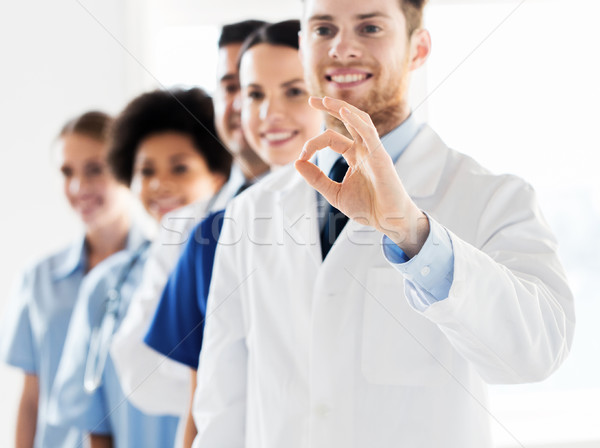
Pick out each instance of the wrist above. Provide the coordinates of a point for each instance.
(409, 233)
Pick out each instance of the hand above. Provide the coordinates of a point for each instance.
(371, 192)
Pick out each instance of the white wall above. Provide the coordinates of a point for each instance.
(62, 57)
(57, 61)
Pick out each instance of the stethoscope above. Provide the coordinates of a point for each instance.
(102, 335)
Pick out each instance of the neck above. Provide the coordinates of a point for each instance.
(104, 241)
(251, 164)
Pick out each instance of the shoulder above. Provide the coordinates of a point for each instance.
(57, 264)
(463, 171)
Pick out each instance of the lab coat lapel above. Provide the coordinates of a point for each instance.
(300, 223)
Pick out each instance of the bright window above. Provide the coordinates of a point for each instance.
(523, 99)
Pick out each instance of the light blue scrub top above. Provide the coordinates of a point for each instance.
(105, 411)
(35, 327)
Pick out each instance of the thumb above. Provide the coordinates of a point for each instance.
(318, 180)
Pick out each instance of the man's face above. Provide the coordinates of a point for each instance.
(226, 99)
(357, 52)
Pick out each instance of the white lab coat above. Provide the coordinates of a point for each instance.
(300, 353)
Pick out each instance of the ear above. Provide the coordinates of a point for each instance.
(420, 47)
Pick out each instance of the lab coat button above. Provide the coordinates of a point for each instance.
(322, 410)
(425, 271)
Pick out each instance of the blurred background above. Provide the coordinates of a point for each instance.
(512, 83)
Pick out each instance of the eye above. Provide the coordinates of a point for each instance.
(66, 171)
(147, 171)
(232, 89)
(180, 169)
(295, 92)
(324, 30)
(370, 29)
(94, 169)
(255, 95)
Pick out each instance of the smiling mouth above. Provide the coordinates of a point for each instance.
(348, 78)
(279, 137)
(166, 204)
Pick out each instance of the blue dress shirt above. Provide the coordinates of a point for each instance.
(428, 274)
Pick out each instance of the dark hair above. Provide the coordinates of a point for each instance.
(281, 33)
(93, 124)
(188, 112)
(236, 33)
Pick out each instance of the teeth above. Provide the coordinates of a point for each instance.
(165, 203)
(277, 136)
(341, 79)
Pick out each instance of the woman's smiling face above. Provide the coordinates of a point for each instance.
(276, 117)
(169, 173)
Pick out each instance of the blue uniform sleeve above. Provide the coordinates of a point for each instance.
(17, 347)
(428, 274)
(177, 328)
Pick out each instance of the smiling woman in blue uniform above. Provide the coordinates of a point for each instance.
(34, 331)
(162, 145)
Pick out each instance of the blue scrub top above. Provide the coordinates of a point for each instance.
(105, 411)
(178, 324)
(34, 330)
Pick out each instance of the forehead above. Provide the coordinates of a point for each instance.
(265, 64)
(77, 148)
(350, 9)
(227, 61)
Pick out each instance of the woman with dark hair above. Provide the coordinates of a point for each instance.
(36, 325)
(163, 146)
(175, 130)
(276, 120)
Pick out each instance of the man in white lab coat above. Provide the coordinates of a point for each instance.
(445, 278)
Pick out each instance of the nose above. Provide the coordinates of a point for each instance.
(237, 103)
(345, 47)
(160, 184)
(271, 109)
(74, 185)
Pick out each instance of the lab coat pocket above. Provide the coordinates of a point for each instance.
(399, 345)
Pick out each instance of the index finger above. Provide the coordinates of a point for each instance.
(336, 105)
(331, 139)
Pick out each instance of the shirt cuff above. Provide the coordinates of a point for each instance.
(428, 274)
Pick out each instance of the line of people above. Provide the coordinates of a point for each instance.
(360, 308)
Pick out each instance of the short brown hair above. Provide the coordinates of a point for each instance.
(413, 11)
(93, 124)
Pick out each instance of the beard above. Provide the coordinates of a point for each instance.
(385, 102)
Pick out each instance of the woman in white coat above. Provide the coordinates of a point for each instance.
(277, 120)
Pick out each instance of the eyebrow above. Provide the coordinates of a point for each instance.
(228, 77)
(291, 82)
(179, 156)
(329, 18)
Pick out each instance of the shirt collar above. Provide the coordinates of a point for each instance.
(75, 257)
(394, 142)
(73, 260)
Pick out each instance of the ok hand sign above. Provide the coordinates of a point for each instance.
(371, 192)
